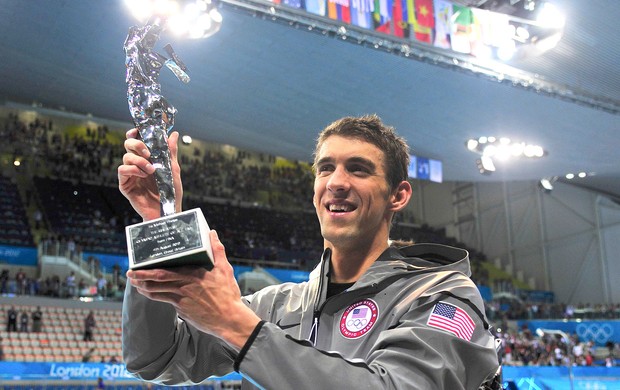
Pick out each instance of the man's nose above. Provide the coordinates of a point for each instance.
(338, 180)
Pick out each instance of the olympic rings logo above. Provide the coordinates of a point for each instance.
(357, 323)
(595, 332)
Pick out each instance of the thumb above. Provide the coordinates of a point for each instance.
(219, 252)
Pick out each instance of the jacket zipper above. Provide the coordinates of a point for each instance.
(326, 258)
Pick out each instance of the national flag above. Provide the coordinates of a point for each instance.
(462, 20)
(339, 10)
(419, 14)
(401, 27)
(453, 319)
(384, 28)
(360, 312)
(424, 13)
(361, 13)
(316, 7)
(292, 3)
(443, 23)
(382, 15)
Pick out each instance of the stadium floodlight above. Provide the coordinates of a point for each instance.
(546, 185)
(492, 148)
(485, 165)
(186, 18)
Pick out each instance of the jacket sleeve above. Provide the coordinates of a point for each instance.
(408, 355)
(160, 347)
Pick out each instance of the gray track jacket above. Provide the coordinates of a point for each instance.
(414, 320)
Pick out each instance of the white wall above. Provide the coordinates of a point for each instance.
(567, 241)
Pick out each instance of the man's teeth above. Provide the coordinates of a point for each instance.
(340, 207)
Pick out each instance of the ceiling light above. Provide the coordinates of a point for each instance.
(472, 144)
(186, 18)
(186, 139)
(489, 150)
(517, 149)
(546, 185)
(582, 174)
(485, 165)
(522, 33)
(550, 16)
(500, 148)
(570, 176)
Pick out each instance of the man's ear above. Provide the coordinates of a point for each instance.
(400, 196)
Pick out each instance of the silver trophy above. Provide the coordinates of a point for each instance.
(174, 239)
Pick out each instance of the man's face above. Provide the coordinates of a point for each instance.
(351, 193)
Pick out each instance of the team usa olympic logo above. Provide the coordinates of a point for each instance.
(359, 318)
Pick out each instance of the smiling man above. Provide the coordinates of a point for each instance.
(372, 315)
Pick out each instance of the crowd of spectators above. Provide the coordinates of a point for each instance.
(54, 286)
(15, 226)
(519, 309)
(524, 348)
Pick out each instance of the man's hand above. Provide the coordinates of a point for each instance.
(135, 177)
(208, 300)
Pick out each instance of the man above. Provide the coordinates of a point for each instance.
(11, 320)
(70, 283)
(89, 326)
(372, 316)
(37, 320)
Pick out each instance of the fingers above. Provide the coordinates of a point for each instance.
(166, 275)
(133, 163)
(132, 133)
(136, 157)
(137, 147)
(160, 297)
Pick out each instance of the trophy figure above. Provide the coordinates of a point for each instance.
(174, 239)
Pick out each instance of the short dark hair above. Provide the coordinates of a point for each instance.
(370, 128)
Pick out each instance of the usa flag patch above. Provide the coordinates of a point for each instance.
(452, 319)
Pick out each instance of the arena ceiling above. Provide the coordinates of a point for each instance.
(267, 86)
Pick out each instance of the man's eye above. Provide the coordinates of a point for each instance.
(359, 169)
(324, 168)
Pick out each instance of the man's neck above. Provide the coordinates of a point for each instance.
(348, 265)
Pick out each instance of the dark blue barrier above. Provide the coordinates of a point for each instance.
(28, 372)
(486, 293)
(284, 275)
(598, 331)
(559, 378)
(287, 275)
(515, 378)
(108, 261)
(18, 255)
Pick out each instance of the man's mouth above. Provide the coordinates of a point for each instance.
(340, 208)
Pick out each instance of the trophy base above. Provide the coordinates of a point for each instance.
(172, 241)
